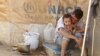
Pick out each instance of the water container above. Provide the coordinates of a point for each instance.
(49, 33)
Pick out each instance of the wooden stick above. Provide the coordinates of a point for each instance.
(86, 27)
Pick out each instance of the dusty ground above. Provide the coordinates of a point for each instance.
(7, 51)
(97, 38)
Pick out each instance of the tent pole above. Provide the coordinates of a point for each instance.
(57, 9)
(86, 27)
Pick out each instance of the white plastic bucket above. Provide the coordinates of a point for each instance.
(32, 39)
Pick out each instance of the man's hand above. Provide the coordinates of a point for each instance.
(66, 34)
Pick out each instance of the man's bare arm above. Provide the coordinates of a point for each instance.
(66, 34)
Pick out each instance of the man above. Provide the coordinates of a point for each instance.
(75, 16)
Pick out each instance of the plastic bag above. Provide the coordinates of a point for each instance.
(49, 33)
(32, 39)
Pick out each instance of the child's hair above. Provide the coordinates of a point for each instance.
(66, 16)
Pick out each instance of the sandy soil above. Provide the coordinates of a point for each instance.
(7, 51)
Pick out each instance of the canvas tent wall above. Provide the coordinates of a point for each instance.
(17, 15)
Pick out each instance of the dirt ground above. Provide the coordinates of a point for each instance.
(97, 38)
(7, 51)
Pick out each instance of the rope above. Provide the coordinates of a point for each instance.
(93, 36)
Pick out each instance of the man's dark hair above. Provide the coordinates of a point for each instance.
(66, 16)
(78, 13)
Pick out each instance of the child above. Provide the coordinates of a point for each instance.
(61, 40)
